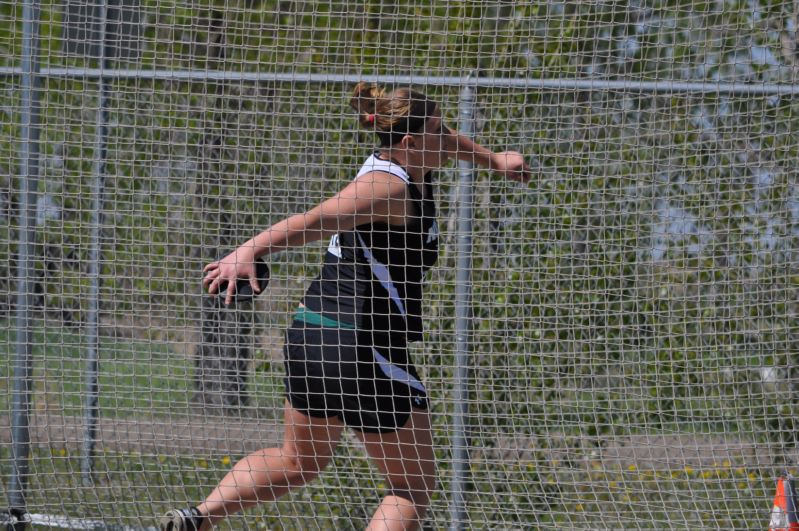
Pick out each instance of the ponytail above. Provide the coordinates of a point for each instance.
(391, 116)
(365, 98)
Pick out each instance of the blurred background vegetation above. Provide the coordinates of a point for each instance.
(643, 285)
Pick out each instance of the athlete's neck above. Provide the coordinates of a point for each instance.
(415, 171)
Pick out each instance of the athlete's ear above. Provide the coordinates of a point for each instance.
(408, 142)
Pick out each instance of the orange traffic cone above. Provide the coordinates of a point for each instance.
(784, 515)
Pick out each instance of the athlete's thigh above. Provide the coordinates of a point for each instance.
(312, 440)
(405, 456)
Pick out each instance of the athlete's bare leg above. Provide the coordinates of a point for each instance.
(407, 460)
(267, 474)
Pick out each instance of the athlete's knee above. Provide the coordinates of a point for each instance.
(416, 490)
(420, 499)
(304, 468)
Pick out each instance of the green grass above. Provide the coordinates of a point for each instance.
(133, 490)
(134, 375)
(142, 378)
(722, 496)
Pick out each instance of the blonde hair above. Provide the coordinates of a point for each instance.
(391, 115)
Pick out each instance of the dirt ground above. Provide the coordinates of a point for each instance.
(203, 434)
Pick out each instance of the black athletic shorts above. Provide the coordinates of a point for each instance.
(364, 378)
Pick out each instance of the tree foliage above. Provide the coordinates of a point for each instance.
(644, 281)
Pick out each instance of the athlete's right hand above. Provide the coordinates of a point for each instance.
(238, 264)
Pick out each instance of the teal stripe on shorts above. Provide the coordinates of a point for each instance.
(307, 316)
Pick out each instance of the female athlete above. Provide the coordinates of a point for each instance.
(346, 352)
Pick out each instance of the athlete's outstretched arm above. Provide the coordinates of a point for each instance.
(507, 163)
(373, 197)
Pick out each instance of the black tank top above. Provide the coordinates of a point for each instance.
(372, 276)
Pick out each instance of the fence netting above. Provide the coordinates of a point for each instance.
(633, 324)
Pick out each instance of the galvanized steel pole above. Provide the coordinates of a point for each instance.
(542, 84)
(463, 318)
(92, 397)
(29, 183)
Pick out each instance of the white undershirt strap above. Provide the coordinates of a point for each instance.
(374, 163)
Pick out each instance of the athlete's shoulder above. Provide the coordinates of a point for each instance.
(375, 163)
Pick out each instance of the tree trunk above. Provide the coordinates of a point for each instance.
(223, 358)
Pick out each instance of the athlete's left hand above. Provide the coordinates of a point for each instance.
(511, 165)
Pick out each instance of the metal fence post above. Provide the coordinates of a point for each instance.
(463, 315)
(92, 398)
(29, 183)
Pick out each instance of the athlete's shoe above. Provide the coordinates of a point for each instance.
(182, 520)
